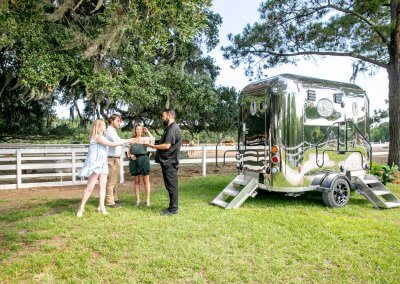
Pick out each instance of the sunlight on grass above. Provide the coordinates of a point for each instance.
(271, 238)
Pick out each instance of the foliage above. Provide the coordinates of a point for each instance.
(42, 240)
(130, 57)
(385, 173)
(366, 31)
(380, 133)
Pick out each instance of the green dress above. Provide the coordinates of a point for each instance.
(140, 166)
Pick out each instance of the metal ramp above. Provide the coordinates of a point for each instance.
(236, 192)
(375, 192)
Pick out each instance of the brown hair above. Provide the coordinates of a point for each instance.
(170, 112)
(134, 129)
(113, 117)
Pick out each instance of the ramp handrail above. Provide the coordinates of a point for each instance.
(338, 124)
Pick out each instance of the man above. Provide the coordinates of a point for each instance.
(114, 154)
(167, 155)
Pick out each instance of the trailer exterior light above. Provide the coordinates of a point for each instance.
(274, 149)
(275, 170)
(275, 159)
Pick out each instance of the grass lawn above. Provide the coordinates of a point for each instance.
(270, 239)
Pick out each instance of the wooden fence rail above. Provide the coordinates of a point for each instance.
(58, 165)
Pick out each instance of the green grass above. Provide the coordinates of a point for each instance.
(270, 239)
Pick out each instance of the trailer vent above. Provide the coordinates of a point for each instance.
(311, 95)
(338, 98)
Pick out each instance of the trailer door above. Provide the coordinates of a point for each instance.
(253, 137)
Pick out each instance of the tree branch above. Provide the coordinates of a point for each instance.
(321, 53)
(346, 11)
(358, 15)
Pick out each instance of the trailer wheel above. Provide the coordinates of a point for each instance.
(339, 195)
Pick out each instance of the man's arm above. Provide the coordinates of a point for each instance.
(164, 146)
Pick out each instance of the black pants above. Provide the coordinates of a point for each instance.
(170, 175)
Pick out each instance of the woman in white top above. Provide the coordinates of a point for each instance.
(95, 167)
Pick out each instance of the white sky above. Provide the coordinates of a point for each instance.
(237, 13)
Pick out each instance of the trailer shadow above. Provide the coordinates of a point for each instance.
(278, 199)
(310, 199)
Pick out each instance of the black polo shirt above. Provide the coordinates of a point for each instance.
(172, 135)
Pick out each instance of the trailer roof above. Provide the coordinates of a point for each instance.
(304, 80)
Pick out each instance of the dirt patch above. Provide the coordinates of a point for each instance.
(19, 198)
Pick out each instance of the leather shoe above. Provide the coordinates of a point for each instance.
(167, 212)
(116, 205)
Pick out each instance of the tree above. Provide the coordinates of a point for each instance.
(367, 31)
(108, 53)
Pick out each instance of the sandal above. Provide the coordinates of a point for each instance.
(148, 204)
(79, 213)
(137, 203)
(102, 210)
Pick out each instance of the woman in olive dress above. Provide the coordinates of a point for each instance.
(139, 164)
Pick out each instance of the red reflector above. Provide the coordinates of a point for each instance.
(275, 159)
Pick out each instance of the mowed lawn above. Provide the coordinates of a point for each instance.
(270, 239)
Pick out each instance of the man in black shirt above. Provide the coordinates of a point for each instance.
(167, 155)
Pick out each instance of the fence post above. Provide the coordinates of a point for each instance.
(203, 161)
(121, 168)
(73, 167)
(19, 170)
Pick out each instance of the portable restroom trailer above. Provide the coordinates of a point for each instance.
(298, 134)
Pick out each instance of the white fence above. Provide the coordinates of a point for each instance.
(58, 165)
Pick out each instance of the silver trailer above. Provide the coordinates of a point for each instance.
(299, 134)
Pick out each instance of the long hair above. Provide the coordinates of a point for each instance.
(134, 130)
(95, 132)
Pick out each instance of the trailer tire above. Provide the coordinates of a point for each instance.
(338, 195)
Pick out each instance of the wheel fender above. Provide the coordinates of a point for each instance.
(318, 179)
(326, 184)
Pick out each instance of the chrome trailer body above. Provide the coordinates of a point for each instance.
(295, 131)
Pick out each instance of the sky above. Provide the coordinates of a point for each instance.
(237, 13)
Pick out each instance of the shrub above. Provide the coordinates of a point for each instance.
(385, 173)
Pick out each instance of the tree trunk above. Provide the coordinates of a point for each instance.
(394, 87)
(394, 117)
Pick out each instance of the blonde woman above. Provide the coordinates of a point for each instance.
(139, 164)
(95, 167)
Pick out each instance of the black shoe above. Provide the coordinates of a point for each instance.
(118, 202)
(167, 212)
(116, 205)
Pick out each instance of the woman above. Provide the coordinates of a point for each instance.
(95, 167)
(139, 164)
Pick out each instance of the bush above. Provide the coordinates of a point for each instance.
(385, 173)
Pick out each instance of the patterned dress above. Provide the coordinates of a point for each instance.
(96, 160)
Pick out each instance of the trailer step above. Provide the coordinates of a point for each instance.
(236, 192)
(375, 192)
(392, 204)
(219, 203)
(230, 192)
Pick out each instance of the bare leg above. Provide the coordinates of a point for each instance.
(102, 193)
(137, 189)
(146, 182)
(87, 192)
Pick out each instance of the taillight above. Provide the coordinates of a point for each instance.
(275, 159)
(274, 149)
